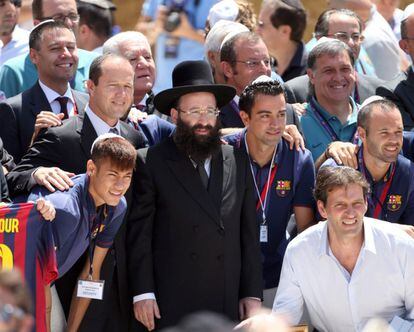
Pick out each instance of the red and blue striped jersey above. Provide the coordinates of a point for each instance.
(26, 243)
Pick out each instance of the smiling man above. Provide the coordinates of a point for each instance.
(390, 174)
(59, 152)
(350, 268)
(91, 212)
(54, 53)
(197, 193)
(331, 112)
(284, 178)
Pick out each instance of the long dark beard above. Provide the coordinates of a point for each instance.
(198, 147)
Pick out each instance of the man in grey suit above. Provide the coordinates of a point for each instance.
(53, 51)
(344, 25)
(192, 237)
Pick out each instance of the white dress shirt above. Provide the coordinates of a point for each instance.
(100, 126)
(51, 96)
(381, 284)
(19, 44)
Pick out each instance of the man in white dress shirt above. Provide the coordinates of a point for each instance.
(15, 40)
(348, 269)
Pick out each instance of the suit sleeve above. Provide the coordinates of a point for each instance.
(139, 230)
(251, 283)
(407, 115)
(9, 131)
(45, 151)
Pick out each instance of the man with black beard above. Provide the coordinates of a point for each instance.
(192, 237)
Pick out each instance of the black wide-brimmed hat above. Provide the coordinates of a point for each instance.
(192, 76)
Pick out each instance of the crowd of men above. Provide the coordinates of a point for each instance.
(236, 169)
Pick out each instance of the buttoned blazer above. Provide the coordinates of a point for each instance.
(195, 249)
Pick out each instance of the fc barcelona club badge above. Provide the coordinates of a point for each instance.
(282, 188)
(394, 202)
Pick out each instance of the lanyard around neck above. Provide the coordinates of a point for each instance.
(270, 177)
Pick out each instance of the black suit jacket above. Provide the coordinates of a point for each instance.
(230, 117)
(195, 249)
(68, 147)
(18, 116)
(298, 88)
(402, 95)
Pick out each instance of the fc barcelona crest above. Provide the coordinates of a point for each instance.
(282, 188)
(394, 202)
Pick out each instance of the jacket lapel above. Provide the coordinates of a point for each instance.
(86, 132)
(38, 102)
(187, 176)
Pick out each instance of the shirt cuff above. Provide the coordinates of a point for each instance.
(145, 296)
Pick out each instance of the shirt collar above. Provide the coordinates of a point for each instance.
(20, 34)
(51, 95)
(352, 118)
(279, 148)
(368, 245)
(100, 126)
(299, 58)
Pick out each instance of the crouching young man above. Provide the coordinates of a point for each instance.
(89, 215)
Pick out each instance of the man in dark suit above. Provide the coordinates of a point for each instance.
(54, 53)
(345, 25)
(192, 239)
(403, 94)
(61, 151)
(143, 116)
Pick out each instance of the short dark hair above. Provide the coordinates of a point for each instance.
(37, 9)
(227, 52)
(117, 150)
(99, 20)
(37, 32)
(252, 91)
(95, 69)
(322, 25)
(332, 177)
(364, 113)
(404, 29)
(291, 13)
(332, 48)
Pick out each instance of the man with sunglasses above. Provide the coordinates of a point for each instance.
(192, 238)
(19, 73)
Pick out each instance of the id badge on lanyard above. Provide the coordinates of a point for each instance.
(89, 288)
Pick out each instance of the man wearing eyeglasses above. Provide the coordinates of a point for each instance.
(192, 238)
(346, 26)
(244, 57)
(20, 74)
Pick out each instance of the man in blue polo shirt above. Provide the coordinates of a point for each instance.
(90, 213)
(284, 178)
(331, 113)
(390, 175)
